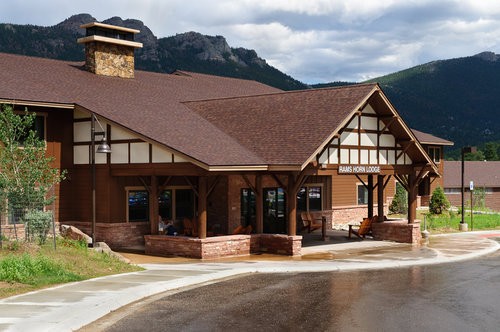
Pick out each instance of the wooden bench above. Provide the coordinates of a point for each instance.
(309, 223)
(363, 229)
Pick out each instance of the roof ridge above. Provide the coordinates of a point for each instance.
(288, 92)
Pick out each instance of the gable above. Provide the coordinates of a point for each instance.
(365, 140)
(127, 147)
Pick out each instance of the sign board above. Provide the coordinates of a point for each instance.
(359, 169)
(471, 185)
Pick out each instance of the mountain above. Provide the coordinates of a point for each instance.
(189, 51)
(457, 99)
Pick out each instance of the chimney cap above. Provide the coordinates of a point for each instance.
(108, 26)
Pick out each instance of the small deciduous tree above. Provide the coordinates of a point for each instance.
(439, 203)
(27, 175)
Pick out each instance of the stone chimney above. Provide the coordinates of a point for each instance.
(109, 49)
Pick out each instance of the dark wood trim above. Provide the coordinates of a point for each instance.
(166, 169)
(195, 190)
(153, 205)
(202, 207)
(249, 184)
(212, 186)
(360, 180)
(279, 182)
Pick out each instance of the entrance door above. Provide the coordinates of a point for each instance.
(184, 204)
(274, 211)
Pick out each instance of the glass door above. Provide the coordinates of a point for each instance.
(274, 211)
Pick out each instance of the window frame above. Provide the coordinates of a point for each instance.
(365, 195)
(433, 154)
(127, 191)
(307, 186)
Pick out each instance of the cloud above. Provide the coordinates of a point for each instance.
(314, 40)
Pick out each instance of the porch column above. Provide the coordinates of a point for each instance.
(370, 196)
(412, 197)
(380, 197)
(291, 199)
(202, 207)
(259, 205)
(154, 210)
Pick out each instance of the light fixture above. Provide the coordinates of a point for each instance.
(102, 148)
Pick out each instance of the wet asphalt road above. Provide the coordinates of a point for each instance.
(461, 296)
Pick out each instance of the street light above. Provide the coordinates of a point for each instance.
(465, 149)
(103, 147)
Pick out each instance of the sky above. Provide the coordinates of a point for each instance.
(314, 41)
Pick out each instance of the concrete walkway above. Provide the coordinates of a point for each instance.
(71, 306)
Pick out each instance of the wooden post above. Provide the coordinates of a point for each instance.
(202, 207)
(291, 200)
(380, 197)
(412, 197)
(259, 205)
(154, 210)
(370, 195)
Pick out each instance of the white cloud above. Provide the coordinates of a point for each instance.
(313, 40)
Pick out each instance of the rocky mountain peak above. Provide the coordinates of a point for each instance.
(74, 22)
(488, 56)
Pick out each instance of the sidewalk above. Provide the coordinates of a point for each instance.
(71, 306)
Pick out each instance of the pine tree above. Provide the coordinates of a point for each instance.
(439, 203)
(399, 203)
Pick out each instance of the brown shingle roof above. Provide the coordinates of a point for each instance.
(149, 104)
(215, 120)
(284, 128)
(483, 173)
(425, 138)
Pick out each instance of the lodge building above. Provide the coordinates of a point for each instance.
(219, 152)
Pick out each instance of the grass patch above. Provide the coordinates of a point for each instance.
(25, 267)
(450, 222)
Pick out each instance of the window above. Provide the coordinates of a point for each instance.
(38, 127)
(435, 154)
(138, 205)
(247, 207)
(452, 190)
(165, 204)
(309, 198)
(362, 194)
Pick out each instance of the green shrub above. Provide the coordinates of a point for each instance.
(399, 203)
(439, 203)
(38, 225)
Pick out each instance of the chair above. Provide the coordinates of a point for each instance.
(188, 226)
(308, 222)
(242, 230)
(365, 228)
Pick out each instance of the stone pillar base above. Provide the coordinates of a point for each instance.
(463, 227)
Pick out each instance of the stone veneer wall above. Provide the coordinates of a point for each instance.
(116, 235)
(399, 231)
(222, 246)
(12, 233)
(344, 215)
(109, 59)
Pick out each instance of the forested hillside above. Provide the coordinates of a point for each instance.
(189, 51)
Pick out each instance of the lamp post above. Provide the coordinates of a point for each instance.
(465, 149)
(102, 148)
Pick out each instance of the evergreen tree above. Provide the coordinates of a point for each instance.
(399, 203)
(490, 151)
(439, 203)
